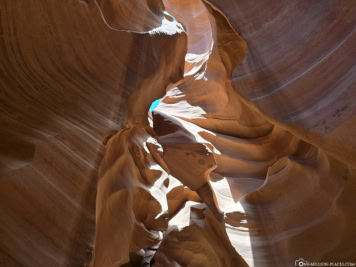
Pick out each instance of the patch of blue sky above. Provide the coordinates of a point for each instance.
(155, 104)
(171, 16)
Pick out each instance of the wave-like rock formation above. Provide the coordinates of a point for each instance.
(248, 160)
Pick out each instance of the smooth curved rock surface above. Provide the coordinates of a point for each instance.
(261, 187)
(66, 78)
(249, 159)
(300, 69)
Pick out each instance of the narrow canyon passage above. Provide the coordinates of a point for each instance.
(213, 181)
(249, 158)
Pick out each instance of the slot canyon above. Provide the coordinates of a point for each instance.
(246, 158)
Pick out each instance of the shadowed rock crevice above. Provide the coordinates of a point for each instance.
(237, 187)
(248, 159)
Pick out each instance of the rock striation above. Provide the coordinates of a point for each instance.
(232, 186)
(248, 160)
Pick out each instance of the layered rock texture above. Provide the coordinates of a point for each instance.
(248, 160)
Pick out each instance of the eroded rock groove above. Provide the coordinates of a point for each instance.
(215, 181)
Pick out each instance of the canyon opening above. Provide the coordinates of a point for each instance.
(178, 133)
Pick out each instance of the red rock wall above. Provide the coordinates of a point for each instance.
(65, 80)
(300, 69)
(252, 153)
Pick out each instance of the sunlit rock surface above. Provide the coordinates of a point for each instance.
(248, 160)
(300, 68)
